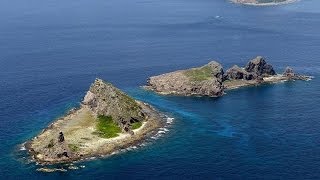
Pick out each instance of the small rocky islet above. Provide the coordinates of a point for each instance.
(107, 120)
(263, 2)
(211, 80)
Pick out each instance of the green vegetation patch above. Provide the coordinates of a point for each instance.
(199, 74)
(136, 125)
(106, 128)
(73, 147)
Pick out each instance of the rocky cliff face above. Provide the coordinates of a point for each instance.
(105, 99)
(237, 72)
(259, 67)
(206, 80)
(255, 69)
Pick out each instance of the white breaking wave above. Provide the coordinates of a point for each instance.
(161, 131)
(22, 148)
(169, 120)
(164, 129)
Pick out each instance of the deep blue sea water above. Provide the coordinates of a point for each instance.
(51, 51)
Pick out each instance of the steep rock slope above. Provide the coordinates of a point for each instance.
(105, 99)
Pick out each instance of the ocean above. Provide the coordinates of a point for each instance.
(51, 51)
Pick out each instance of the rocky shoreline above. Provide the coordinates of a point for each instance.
(263, 3)
(211, 80)
(74, 136)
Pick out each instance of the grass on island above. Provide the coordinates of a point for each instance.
(199, 74)
(106, 128)
(136, 125)
(73, 147)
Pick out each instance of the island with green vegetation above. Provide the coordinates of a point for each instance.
(107, 120)
(211, 80)
(263, 2)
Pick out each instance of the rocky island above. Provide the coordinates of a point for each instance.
(107, 120)
(263, 2)
(211, 80)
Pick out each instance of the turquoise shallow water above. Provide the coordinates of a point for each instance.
(51, 51)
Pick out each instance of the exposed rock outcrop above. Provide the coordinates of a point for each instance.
(210, 80)
(206, 80)
(61, 137)
(237, 72)
(259, 67)
(288, 72)
(256, 69)
(291, 75)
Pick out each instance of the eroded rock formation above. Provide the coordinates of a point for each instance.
(291, 75)
(237, 72)
(288, 72)
(259, 67)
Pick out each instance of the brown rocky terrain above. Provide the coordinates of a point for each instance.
(210, 79)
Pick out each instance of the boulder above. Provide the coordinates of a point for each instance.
(64, 154)
(260, 67)
(61, 137)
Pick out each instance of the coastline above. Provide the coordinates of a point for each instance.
(265, 4)
(96, 147)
